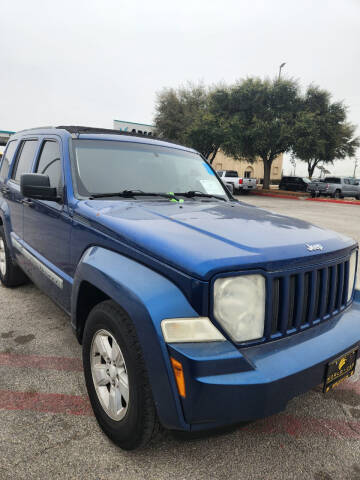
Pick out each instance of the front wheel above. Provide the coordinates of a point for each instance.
(116, 377)
(10, 273)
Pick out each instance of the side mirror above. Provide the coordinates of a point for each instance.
(37, 186)
(230, 187)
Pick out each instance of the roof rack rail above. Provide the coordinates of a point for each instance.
(77, 130)
(34, 128)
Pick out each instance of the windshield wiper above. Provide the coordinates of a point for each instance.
(131, 194)
(196, 193)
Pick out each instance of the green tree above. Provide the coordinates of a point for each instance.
(259, 118)
(322, 133)
(185, 116)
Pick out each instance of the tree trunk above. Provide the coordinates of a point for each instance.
(267, 171)
(311, 168)
(212, 155)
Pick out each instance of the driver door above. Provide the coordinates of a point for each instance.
(47, 224)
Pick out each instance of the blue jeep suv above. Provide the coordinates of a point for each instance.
(194, 310)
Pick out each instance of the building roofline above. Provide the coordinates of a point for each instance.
(134, 123)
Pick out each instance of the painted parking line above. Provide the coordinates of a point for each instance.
(275, 425)
(45, 402)
(304, 426)
(80, 405)
(75, 365)
(42, 362)
(353, 386)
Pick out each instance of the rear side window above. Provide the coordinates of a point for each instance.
(8, 156)
(24, 159)
(332, 180)
(50, 163)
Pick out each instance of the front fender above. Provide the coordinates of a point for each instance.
(5, 219)
(148, 298)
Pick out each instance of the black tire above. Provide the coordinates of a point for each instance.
(337, 194)
(140, 423)
(13, 276)
(357, 197)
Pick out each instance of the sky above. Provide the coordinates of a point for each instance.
(89, 62)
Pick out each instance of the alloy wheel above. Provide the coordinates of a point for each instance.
(109, 374)
(2, 258)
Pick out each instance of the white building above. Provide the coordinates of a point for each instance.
(134, 127)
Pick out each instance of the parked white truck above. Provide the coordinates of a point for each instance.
(239, 184)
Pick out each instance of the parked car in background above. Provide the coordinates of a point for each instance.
(340, 187)
(317, 187)
(294, 184)
(240, 184)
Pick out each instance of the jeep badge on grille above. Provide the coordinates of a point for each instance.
(314, 247)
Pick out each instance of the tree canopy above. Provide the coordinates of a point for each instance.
(184, 116)
(258, 118)
(321, 132)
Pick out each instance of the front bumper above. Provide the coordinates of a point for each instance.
(226, 385)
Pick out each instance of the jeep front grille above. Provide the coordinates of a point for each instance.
(298, 301)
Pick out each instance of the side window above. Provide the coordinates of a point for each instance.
(346, 181)
(24, 159)
(50, 163)
(332, 180)
(8, 156)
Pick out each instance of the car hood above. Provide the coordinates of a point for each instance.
(202, 237)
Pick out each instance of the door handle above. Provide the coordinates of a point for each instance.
(27, 203)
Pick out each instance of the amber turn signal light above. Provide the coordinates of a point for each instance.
(179, 376)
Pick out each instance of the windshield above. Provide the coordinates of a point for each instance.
(103, 166)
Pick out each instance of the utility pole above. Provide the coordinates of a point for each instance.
(280, 68)
(356, 164)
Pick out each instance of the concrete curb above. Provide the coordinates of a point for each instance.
(333, 200)
(295, 197)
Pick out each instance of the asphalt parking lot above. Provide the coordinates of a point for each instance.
(48, 430)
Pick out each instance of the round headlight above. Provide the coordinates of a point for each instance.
(352, 271)
(239, 306)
